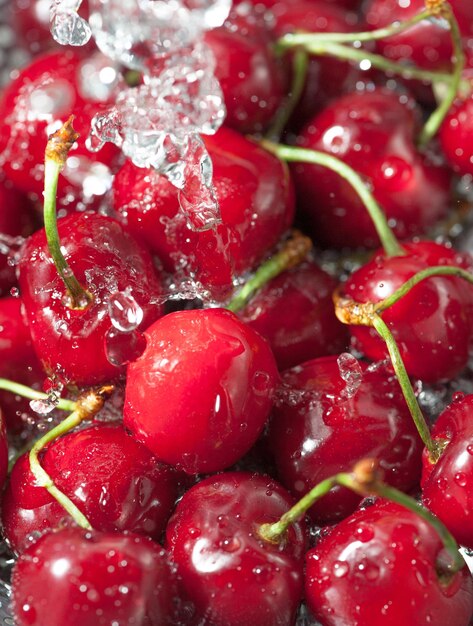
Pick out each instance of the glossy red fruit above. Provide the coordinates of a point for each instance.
(256, 200)
(447, 485)
(252, 79)
(79, 578)
(107, 261)
(200, 394)
(18, 360)
(114, 481)
(431, 324)
(334, 413)
(379, 568)
(308, 328)
(374, 133)
(232, 576)
(35, 104)
(456, 135)
(428, 43)
(3, 451)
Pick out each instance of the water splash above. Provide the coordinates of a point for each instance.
(46, 406)
(67, 27)
(351, 373)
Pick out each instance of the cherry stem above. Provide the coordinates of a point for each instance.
(86, 407)
(293, 252)
(32, 394)
(292, 40)
(300, 64)
(57, 149)
(435, 120)
(365, 480)
(389, 242)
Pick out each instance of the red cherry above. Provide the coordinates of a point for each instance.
(373, 132)
(256, 200)
(79, 578)
(3, 451)
(114, 481)
(431, 324)
(252, 79)
(379, 568)
(447, 485)
(231, 575)
(308, 328)
(456, 135)
(105, 259)
(200, 394)
(36, 103)
(332, 416)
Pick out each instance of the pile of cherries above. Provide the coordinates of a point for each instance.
(210, 381)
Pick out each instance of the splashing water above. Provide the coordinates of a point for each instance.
(351, 373)
(46, 406)
(67, 27)
(125, 312)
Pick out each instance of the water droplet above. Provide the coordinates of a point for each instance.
(457, 396)
(67, 27)
(351, 373)
(230, 544)
(340, 569)
(125, 312)
(364, 533)
(122, 348)
(261, 382)
(461, 479)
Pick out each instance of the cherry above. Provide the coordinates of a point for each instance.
(373, 132)
(3, 451)
(308, 328)
(229, 572)
(381, 567)
(71, 343)
(45, 93)
(428, 43)
(201, 392)
(333, 414)
(253, 81)
(447, 484)
(256, 200)
(456, 135)
(115, 481)
(431, 324)
(78, 578)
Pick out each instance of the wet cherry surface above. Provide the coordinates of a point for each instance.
(231, 575)
(200, 394)
(75, 578)
(115, 482)
(333, 414)
(379, 568)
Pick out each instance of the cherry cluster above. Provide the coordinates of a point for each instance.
(244, 443)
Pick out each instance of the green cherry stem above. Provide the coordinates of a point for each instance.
(389, 242)
(32, 394)
(364, 480)
(293, 252)
(435, 120)
(292, 40)
(300, 63)
(57, 149)
(86, 408)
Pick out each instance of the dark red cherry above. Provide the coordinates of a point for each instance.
(256, 200)
(456, 135)
(114, 481)
(447, 485)
(294, 312)
(200, 394)
(232, 576)
(431, 324)
(107, 262)
(18, 360)
(3, 451)
(78, 578)
(253, 80)
(38, 102)
(428, 43)
(379, 568)
(374, 133)
(333, 414)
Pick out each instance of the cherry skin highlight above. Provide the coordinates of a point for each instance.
(201, 392)
(431, 324)
(114, 481)
(447, 485)
(379, 568)
(231, 575)
(78, 578)
(325, 423)
(105, 259)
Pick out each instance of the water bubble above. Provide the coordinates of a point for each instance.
(125, 312)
